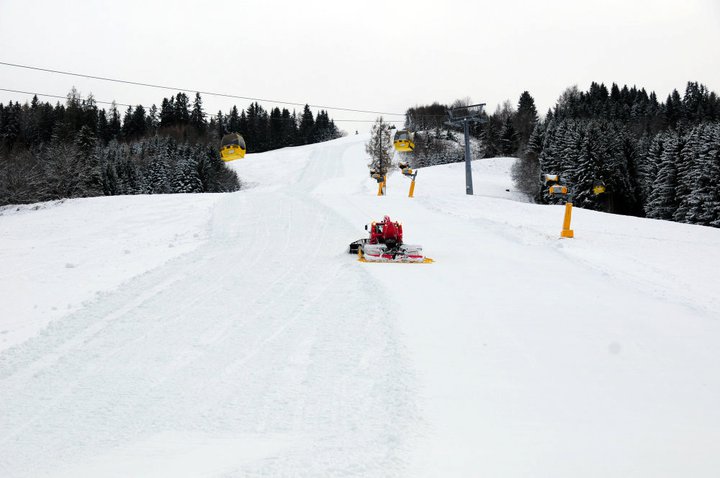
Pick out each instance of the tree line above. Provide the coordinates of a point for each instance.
(654, 159)
(657, 159)
(77, 149)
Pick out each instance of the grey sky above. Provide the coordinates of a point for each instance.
(370, 55)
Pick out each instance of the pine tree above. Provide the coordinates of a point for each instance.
(257, 128)
(103, 127)
(509, 141)
(127, 124)
(158, 178)
(662, 201)
(548, 153)
(213, 174)
(152, 121)
(2, 120)
(73, 117)
(243, 127)
(109, 180)
(182, 109)
(699, 195)
(288, 128)
(587, 167)
(197, 116)
(704, 201)
(380, 147)
(307, 126)
(136, 125)
(648, 167)
(90, 113)
(46, 120)
(525, 119)
(674, 110)
(295, 125)
(167, 113)
(616, 155)
(695, 102)
(187, 177)
(233, 122)
(220, 124)
(114, 125)
(29, 122)
(11, 124)
(687, 171)
(561, 148)
(276, 128)
(89, 167)
(631, 152)
(526, 170)
(129, 181)
(491, 137)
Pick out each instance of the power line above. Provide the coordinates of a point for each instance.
(209, 93)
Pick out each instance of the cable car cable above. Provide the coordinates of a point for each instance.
(209, 93)
(210, 115)
(62, 97)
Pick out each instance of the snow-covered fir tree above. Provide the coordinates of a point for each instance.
(380, 147)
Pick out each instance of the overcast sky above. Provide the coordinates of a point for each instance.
(369, 55)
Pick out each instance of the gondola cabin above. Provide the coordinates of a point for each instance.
(404, 141)
(232, 146)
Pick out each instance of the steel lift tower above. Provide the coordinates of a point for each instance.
(464, 115)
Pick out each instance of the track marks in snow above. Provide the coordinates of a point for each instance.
(265, 329)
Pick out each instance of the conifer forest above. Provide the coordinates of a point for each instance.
(77, 149)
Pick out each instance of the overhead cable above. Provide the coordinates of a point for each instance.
(208, 93)
(209, 115)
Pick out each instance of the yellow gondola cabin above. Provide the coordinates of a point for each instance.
(232, 146)
(404, 141)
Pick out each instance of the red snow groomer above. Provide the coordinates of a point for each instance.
(385, 244)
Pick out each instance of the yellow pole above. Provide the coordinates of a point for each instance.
(380, 188)
(566, 231)
(412, 188)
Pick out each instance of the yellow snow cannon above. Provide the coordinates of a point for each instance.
(558, 189)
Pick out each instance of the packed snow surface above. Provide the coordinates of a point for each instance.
(231, 334)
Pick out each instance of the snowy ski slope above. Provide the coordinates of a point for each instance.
(231, 335)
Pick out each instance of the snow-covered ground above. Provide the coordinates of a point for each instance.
(231, 335)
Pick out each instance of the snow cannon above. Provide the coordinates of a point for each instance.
(407, 171)
(558, 189)
(385, 244)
